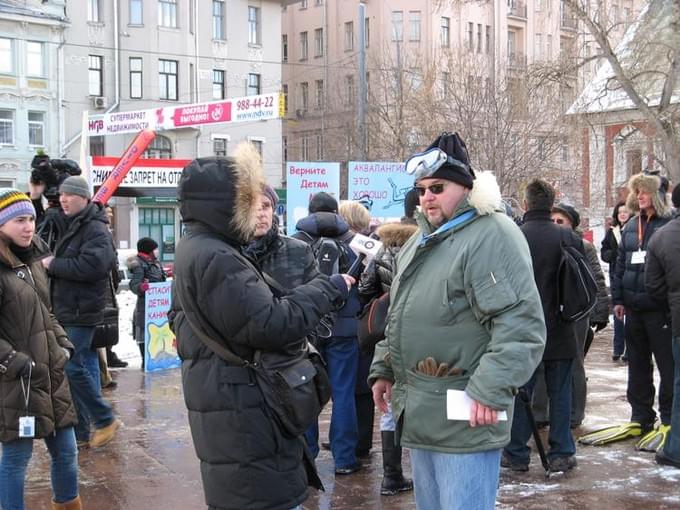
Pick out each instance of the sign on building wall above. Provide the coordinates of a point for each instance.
(159, 341)
(239, 109)
(145, 173)
(305, 179)
(385, 183)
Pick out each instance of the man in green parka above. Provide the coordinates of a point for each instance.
(465, 315)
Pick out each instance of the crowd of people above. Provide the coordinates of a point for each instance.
(475, 308)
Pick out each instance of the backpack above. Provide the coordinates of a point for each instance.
(576, 286)
(331, 254)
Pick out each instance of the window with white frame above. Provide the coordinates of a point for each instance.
(318, 42)
(488, 39)
(349, 90)
(93, 14)
(305, 148)
(414, 25)
(36, 128)
(136, 12)
(479, 38)
(6, 55)
(136, 82)
(220, 146)
(35, 59)
(284, 47)
(319, 94)
(253, 88)
(397, 25)
(218, 20)
(253, 25)
(95, 75)
(97, 146)
(304, 95)
(445, 32)
(367, 31)
(258, 143)
(167, 79)
(303, 46)
(167, 13)
(303, 4)
(349, 36)
(470, 36)
(6, 127)
(160, 148)
(218, 90)
(319, 146)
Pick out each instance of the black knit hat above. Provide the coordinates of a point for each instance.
(146, 245)
(323, 202)
(453, 145)
(570, 212)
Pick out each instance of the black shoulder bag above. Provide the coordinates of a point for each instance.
(106, 332)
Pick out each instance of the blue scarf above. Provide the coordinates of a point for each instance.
(448, 225)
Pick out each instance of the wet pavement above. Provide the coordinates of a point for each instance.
(151, 463)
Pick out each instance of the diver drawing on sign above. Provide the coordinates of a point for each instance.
(398, 195)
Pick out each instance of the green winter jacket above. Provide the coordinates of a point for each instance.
(467, 297)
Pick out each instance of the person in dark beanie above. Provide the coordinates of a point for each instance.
(79, 272)
(145, 268)
(662, 281)
(323, 202)
(220, 294)
(463, 309)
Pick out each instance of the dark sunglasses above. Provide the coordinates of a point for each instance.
(435, 189)
(559, 221)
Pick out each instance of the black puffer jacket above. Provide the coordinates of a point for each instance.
(662, 271)
(544, 238)
(79, 273)
(30, 331)
(628, 281)
(610, 247)
(246, 462)
(143, 268)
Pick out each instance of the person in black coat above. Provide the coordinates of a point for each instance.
(647, 325)
(218, 292)
(608, 253)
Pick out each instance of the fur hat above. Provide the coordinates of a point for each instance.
(146, 245)
(652, 184)
(323, 202)
(570, 212)
(223, 193)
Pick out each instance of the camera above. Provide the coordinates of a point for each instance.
(51, 173)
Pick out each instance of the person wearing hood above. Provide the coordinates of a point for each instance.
(464, 315)
(145, 268)
(341, 349)
(221, 294)
(79, 272)
(648, 331)
(33, 354)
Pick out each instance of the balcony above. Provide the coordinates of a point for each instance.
(517, 60)
(568, 22)
(517, 9)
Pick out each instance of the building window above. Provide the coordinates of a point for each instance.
(97, 147)
(136, 83)
(397, 25)
(35, 59)
(367, 31)
(479, 38)
(414, 23)
(445, 32)
(538, 46)
(284, 90)
(488, 39)
(6, 127)
(304, 95)
(220, 146)
(167, 79)
(318, 42)
(303, 4)
(253, 88)
(349, 90)
(305, 148)
(160, 148)
(471, 36)
(284, 143)
(95, 76)
(303, 45)
(93, 11)
(319, 147)
(6, 55)
(319, 94)
(548, 47)
(284, 48)
(136, 12)
(36, 128)
(218, 91)
(259, 146)
(253, 25)
(167, 13)
(349, 36)
(218, 20)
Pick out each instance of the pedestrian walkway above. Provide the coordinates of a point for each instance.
(151, 464)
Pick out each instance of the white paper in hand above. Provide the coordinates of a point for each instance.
(458, 406)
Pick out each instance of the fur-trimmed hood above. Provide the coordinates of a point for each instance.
(650, 184)
(223, 193)
(395, 234)
(485, 195)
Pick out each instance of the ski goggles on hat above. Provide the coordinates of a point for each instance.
(425, 164)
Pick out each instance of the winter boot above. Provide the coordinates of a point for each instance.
(74, 504)
(393, 480)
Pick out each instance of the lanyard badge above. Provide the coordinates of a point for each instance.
(27, 423)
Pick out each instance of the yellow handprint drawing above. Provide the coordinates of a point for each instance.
(162, 341)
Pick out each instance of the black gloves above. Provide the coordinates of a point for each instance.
(598, 326)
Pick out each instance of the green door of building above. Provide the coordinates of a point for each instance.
(158, 223)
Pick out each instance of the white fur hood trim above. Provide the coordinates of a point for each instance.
(485, 195)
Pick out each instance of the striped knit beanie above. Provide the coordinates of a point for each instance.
(14, 203)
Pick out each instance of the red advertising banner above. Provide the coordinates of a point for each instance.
(202, 114)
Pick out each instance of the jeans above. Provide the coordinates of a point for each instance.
(558, 382)
(341, 355)
(83, 377)
(619, 337)
(455, 481)
(15, 457)
(672, 447)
